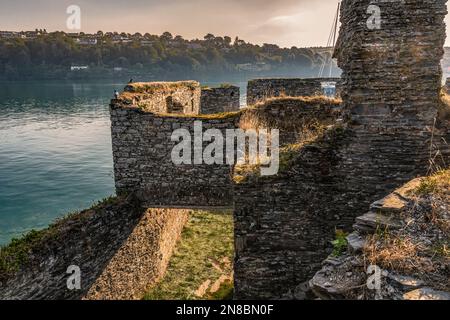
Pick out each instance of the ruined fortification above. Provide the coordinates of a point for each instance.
(259, 90)
(390, 94)
(142, 149)
(225, 98)
(121, 249)
(333, 164)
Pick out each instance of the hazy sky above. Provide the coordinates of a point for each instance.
(284, 22)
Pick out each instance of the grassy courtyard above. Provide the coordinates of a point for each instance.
(202, 264)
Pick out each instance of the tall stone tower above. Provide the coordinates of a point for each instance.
(390, 53)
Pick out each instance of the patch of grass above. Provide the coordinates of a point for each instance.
(435, 184)
(214, 116)
(225, 292)
(397, 253)
(151, 87)
(17, 253)
(201, 261)
(442, 250)
(315, 99)
(340, 243)
(315, 135)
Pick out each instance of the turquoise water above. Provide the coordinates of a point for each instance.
(55, 151)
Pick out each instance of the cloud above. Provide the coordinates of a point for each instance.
(284, 22)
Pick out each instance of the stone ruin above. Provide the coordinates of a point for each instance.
(284, 223)
(390, 90)
(142, 146)
(225, 98)
(164, 97)
(260, 90)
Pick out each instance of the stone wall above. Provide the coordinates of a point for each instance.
(260, 90)
(142, 148)
(390, 92)
(293, 117)
(221, 99)
(164, 97)
(120, 248)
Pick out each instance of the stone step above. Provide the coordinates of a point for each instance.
(371, 221)
(355, 243)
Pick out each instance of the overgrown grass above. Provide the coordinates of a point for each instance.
(16, 254)
(201, 266)
(151, 87)
(394, 252)
(318, 135)
(435, 184)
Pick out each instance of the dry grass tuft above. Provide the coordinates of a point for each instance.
(396, 253)
(436, 184)
(315, 99)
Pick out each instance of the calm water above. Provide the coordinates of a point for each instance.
(55, 151)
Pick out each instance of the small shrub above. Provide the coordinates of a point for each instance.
(340, 243)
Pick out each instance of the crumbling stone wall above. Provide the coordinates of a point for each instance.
(221, 99)
(181, 97)
(142, 148)
(120, 248)
(390, 93)
(260, 90)
(293, 117)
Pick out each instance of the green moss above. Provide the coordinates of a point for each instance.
(204, 253)
(14, 255)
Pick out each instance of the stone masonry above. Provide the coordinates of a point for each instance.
(142, 148)
(260, 90)
(164, 97)
(221, 99)
(121, 249)
(391, 82)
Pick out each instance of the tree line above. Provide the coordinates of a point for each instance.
(51, 56)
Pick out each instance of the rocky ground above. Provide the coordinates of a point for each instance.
(399, 250)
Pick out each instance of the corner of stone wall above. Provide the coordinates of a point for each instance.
(120, 248)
